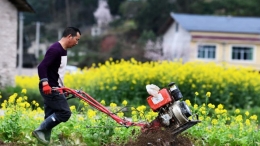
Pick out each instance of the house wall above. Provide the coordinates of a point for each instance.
(8, 45)
(224, 43)
(176, 43)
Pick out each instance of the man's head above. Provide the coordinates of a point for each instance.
(71, 36)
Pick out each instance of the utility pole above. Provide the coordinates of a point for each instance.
(59, 34)
(37, 39)
(21, 17)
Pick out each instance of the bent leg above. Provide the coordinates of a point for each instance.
(59, 105)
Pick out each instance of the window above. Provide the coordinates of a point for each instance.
(242, 53)
(207, 51)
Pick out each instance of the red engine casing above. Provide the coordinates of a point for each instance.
(156, 102)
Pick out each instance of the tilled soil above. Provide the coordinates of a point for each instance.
(160, 138)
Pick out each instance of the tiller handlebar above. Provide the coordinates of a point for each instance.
(90, 100)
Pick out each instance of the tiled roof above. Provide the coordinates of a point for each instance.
(22, 5)
(211, 23)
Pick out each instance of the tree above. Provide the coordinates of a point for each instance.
(114, 6)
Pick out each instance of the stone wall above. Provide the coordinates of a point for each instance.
(8, 42)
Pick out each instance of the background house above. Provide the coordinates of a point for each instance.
(8, 35)
(234, 40)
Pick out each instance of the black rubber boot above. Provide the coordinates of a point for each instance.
(43, 132)
(48, 135)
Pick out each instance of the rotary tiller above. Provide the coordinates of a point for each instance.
(173, 113)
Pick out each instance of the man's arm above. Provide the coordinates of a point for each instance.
(43, 68)
(49, 57)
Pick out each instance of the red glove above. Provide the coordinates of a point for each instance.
(46, 89)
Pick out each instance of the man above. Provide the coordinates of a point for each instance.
(51, 71)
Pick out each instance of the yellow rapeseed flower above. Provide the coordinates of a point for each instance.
(24, 91)
(149, 117)
(22, 104)
(208, 94)
(224, 111)
(120, 114)
(211, 105)
(124, 102)
(196, 93)
(114, 87)
(134, 81)
(239, 118)
(253, 117)
(12, 98)
(237, 111)
(39, 110)
(134, 112)
(19, 100)
(220, 106)
(187, 101)
(113, 104)
(248, 122)
(72, 108)
(217, 111)
(85, 103)
(103, 102)
(141, 108)
(202, 108)
(214, 122)
(208, 118)
(195, 106)
(91, 113)
(3, 105)
(247, 113)
(27, 104)
(201, 118)
(204, 112)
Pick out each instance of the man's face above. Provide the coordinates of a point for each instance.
(73, 40)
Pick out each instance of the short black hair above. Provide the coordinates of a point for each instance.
(71, 30)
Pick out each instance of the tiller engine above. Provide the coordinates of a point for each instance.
(173, 113)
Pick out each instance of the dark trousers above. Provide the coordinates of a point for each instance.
(56, 103)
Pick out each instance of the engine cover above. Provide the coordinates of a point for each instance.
(161, 100)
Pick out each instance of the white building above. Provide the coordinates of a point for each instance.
(8, 35)
(209, 38)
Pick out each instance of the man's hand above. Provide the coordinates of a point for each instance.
(46, 89)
